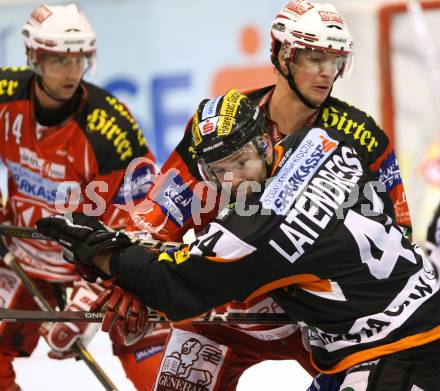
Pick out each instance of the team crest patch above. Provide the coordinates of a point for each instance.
(190, 362)
(389, 172)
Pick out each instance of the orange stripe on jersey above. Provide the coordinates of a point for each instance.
(375, 166)
(298, 279)
(316, 286)
(370, 354)
(286, 281)
(223, 260)
(279, 152)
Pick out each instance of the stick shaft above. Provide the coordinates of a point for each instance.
(78, 346)
(151, 245)
(21, 232)
(86, 316)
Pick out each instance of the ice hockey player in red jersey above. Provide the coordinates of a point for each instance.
(311, 227)
(307, 68)
(66, 144)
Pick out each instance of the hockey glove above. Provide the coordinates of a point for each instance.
(82, 237)
(62, 336)
(126, 317)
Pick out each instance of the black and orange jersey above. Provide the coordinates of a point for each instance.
(87, 156)
(181, 204)
(320, 239)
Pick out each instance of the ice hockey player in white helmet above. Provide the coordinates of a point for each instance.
(318, 33)
(321, 53)
(49, 114)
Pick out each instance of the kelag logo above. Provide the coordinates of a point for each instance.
(175, 198)
(389, 173)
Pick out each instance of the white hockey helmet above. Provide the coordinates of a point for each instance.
(61, 29)
(303, 24)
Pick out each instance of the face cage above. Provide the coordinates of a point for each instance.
(257, 143)
(345, 71)
(34, 60)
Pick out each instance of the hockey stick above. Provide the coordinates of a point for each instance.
(21, 232)
(78, 346)
(152, 245)
(154, 317)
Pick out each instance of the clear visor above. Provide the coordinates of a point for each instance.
(318, 62)
(246, 164)
(58, 63)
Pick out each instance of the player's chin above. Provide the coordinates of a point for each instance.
(66, 94)
(318, 96)
(317, 99)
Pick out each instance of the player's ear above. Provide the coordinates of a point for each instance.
(268, 148)
(281, 58)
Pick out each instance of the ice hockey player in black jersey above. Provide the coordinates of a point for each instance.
(309, 226)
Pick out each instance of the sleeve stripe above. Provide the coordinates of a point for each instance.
(283, 282)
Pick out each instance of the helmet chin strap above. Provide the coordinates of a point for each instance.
(48, 92)
(294, 87)
(291, 82)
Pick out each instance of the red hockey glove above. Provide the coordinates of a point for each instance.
(62, 336)
(126, 317)
(82, 237)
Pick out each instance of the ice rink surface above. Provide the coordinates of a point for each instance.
(41, 373)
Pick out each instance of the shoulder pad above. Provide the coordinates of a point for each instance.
(352, 111)
(14, 83)
(257, 94)
(112, 131)
(358, 127)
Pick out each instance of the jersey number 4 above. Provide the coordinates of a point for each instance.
(380, 246)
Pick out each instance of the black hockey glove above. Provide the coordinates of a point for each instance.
(82, 238)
